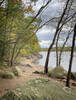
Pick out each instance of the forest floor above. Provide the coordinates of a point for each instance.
(28, 68)
(28, 74)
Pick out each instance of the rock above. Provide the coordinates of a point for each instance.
(28, 57)
(41, 89)
(73, 76)
(10, 73)
(16, 71)
(35, 62)
(73, 83)
(7, 75)
(37, 55)
(58, 72)
(36, 72)
(28, 65)
(64, 80)
(34, 55)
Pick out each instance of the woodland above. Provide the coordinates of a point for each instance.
(19, 44)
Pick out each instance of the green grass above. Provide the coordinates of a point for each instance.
(41, 89)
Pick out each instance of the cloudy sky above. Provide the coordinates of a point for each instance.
(46, 34)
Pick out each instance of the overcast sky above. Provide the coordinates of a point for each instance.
(46, 34)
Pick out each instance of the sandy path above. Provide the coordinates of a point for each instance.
(8, 84)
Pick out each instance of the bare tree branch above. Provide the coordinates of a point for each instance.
(61, 51)
(40, 10)
(57, 29)
(1, 2)
(71, 59)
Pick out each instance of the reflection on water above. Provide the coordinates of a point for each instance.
(52, 61)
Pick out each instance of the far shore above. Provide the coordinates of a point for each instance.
(59, 49)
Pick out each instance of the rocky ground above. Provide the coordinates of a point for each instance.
(30, 70)
(41, 89)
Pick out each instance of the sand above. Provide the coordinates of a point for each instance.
(28, 68)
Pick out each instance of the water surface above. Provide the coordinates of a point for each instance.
(52, 61)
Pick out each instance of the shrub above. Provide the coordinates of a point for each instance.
(73, 76)
(41, 89)
(7, 75)
(16, 71)
(58, 72)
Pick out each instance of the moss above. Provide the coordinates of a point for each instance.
(41, 89)
(7, 75)
(73, 76)
(58, 72)
(16, 71)
(10, 73)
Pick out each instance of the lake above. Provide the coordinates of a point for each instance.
(52, 61)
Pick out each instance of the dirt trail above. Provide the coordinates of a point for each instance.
(8, 84)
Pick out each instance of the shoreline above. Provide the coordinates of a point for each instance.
(59, 48)
(52, 60)
(28, 68)
(30, 71)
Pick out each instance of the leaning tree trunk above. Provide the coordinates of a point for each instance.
(13, 52)
(11, 61)
(57, 54)
(61, 51)
(57, 29)
(71, 59)
(47, 61)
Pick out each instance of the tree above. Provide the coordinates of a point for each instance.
(13, 31)
(62, 48)
(71, 58)
(57, 30)
(1, 2)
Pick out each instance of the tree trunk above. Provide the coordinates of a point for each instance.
(46, 63)
(17, 54)
(57, 29)
(11, 61)
(61, 51)
(13, 52)
(57, 57)
(57, 54)
(71, 59)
